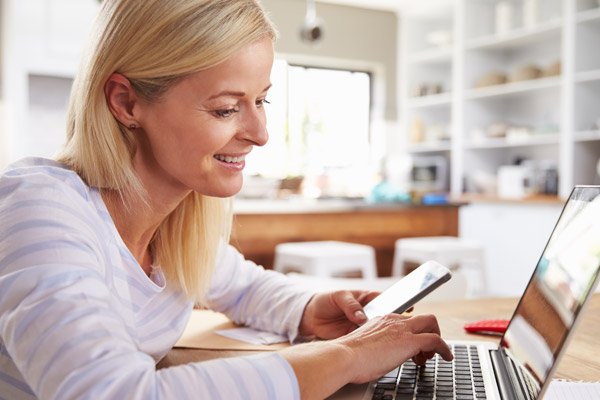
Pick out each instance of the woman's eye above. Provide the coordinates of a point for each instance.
(226, 113)
(262, 102)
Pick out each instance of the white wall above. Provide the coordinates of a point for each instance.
(41, 41)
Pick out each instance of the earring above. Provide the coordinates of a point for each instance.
(132, 127)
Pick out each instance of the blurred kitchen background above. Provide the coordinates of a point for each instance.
(388, 119)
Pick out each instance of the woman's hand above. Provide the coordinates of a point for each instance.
(385, 342)
(364, 354)
(334, 314)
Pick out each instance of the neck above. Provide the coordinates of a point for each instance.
(137, 224)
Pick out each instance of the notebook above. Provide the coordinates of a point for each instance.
(522, 363)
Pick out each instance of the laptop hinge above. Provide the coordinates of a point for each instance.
(503, 376)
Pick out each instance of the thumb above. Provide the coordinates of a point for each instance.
(351, 307)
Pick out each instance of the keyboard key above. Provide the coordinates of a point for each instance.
(386, 386)
(460, 379)
(386, 379)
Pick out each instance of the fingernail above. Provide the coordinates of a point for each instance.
(360, 314)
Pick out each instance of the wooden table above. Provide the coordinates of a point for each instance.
(256, 234)
(579, 363)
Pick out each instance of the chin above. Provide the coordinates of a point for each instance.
(223, 192)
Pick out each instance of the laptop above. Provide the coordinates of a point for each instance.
(522, 363)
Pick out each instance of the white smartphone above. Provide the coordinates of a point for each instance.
(408, 290)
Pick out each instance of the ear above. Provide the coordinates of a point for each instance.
(121, 98)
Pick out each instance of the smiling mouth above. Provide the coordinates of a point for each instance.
(229, 159)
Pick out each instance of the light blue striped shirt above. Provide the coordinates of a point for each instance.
(80, 319)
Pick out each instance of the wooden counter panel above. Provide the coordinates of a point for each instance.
(256, 235)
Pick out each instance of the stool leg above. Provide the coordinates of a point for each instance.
(482, 274)
(397, 265)
(369, 271)
(277, 265)
(475, 272)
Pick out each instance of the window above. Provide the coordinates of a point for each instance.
(319, 128)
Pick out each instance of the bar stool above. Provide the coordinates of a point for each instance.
(325, 258)
(453, 252)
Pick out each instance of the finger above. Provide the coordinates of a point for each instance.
(431, 343)
(420, 359)
(424, 323)
(365, 297)
(423, 356)
(347, 302)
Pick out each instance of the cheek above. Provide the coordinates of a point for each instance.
(180, 136)
(200, 143)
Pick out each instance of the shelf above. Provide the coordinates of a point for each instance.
(436, 55)
(500, 143)
(591, 15)
(55, 69)
(513, 88)
(433, 100)
(587, 76)
(587, 136)
(517, 38)
(429, 147)
(561, 106)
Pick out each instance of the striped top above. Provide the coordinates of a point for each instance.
(80, 319)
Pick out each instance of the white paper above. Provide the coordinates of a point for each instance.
(564, 390)
(250, 335)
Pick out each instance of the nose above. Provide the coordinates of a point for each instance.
(255, 127)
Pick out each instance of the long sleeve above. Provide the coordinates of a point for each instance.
(253, 296)
(80, 319)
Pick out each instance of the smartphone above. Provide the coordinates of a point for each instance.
(408, 290)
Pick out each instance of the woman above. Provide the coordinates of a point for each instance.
(104, 252)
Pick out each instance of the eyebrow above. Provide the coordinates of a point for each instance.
(231, 93)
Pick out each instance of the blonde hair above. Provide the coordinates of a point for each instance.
(154, 43)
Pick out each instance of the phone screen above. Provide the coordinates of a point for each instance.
(408, 290)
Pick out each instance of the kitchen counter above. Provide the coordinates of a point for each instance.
(260, 225)
(297, 206)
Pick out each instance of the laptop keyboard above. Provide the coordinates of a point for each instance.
(458, 379)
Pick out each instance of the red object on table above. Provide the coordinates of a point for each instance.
(488, 326)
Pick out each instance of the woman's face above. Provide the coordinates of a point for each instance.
(197, 135)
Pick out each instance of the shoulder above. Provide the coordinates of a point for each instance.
(34, 175)
(48, 215)
(37, 191)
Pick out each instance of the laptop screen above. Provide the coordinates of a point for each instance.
(562, 279)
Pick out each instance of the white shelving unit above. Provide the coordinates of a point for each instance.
(42, 42)
(484, 91)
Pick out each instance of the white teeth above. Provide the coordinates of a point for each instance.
(229, 159)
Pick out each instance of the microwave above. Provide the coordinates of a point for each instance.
(429, 173)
